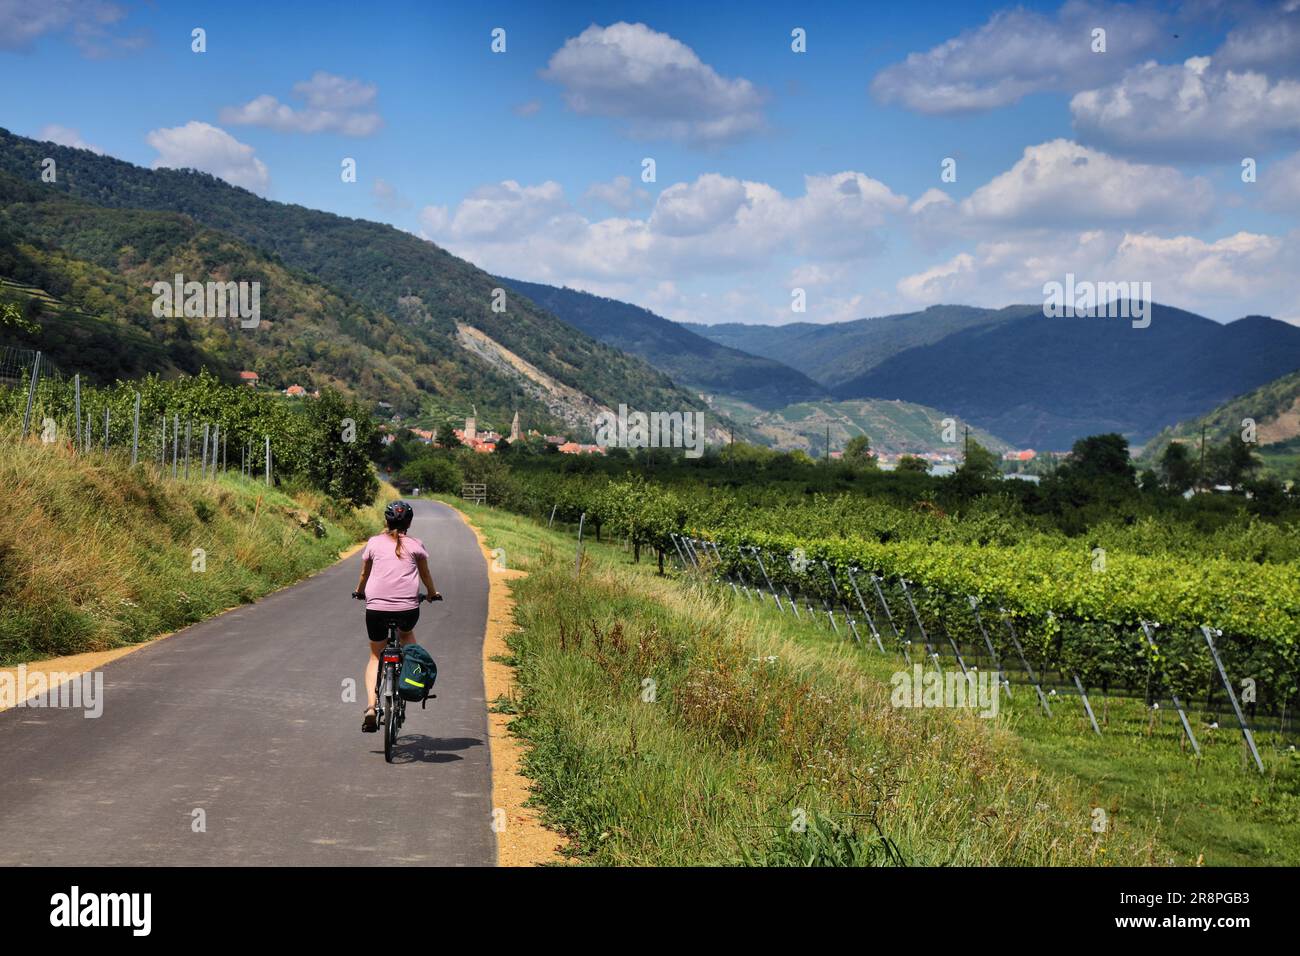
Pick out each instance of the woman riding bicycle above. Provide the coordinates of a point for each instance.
(392, 566)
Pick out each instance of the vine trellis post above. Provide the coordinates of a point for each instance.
(1147, 628)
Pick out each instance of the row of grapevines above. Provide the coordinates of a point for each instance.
(1073, 613)
(327, 440)
(1075, 610)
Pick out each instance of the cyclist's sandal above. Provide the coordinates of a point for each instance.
(369, 723)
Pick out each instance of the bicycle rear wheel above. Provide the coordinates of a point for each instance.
(391, 719)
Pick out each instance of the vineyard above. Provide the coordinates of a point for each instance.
(1212, 634)
(195, 422)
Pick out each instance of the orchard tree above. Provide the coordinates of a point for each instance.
(647, 514)
(434, 471)
(979, 464)
(857, 451)
(1177, 468)
(978, 470)
(1232, 463)
(1103, 458)
(341, 441)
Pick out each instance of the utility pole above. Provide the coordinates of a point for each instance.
(966, 451)
(1202, 455)
(828, 442)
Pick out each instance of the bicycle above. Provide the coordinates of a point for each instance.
(391, 717)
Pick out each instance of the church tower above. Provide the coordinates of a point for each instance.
(514, 428)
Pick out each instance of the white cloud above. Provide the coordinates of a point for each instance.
(1194, 109)
(210, 149)
(689, 209)
(654, 82)
(433, 221)
(1269, 41)
(335, 104)
(1064, 208)
(713, 224)
(720, 248)
(328, 91)
(931, 198)
(618, 194)
(839, 215)
(696, 234)
(946, 282)
(1225, 278)
(1061, 182)
(1280, 183)
(530, 108)
(1019, 52)
(92, 24)
(810, 274)
(66, 136)
(1230, 269)
(1060, 187)
(503, 211)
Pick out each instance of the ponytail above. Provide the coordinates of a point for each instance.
(396, 535)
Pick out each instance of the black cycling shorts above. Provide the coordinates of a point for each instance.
(377, 622)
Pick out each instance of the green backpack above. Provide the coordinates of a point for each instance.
(415, 681)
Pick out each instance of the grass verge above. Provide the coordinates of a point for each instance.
(95, 554)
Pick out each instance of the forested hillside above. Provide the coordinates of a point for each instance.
(388, 280)
(1268, 418)
(690, 359)
(101, 264)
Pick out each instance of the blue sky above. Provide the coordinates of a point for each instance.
(775, 170)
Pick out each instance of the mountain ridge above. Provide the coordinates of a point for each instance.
(1047, 382)
(689, 359)
(834, 352)
(1038, 382)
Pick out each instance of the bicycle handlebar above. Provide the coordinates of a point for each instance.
(419, 598)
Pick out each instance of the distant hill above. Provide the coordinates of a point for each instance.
(893, 427)
(1044, 382)
(838, 352)
(689, 359)
(1274, 408)
(413, 294)
(1034, 381)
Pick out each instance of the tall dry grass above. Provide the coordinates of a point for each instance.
(95, 554)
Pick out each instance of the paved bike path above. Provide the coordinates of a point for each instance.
(242, 717)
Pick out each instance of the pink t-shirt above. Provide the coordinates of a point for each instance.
(394, 582)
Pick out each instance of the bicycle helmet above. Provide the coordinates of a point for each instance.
(398, 515)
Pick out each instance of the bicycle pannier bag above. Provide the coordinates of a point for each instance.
(418, 673)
